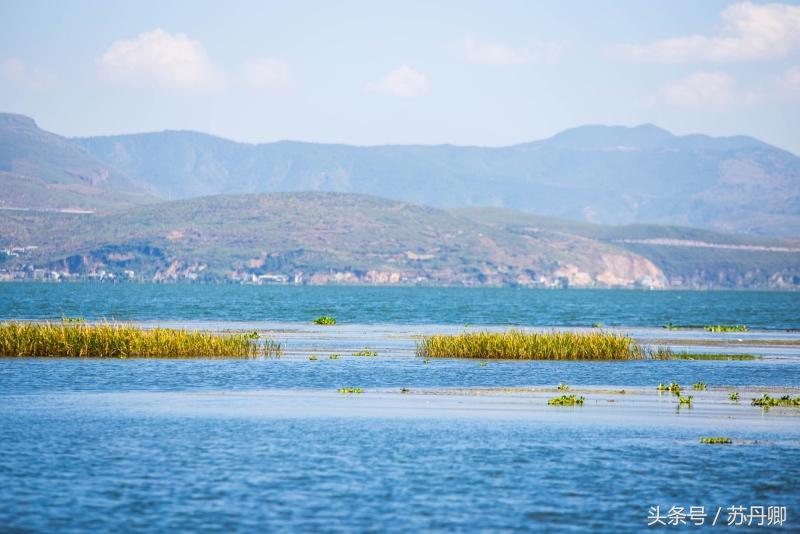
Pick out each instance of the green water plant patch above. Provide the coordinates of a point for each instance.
(566, 400)
(112, 340)
(716, 441)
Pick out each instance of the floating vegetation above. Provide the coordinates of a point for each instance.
(666, 353)
(566, 400)
(700, 356)
(326, 320)
(767, 401)
(597, 325)
(700, 386)
(313, 357)
(81, 340)
(709, 327)
(672, 387)
(562, 387)
(351, 390)
(426, 360)
(660, 353)
(734, 396)
(520, 345)
(334, 357)
(365, 353)
(716, 441)
(726, 328)
(482, 364)
(684, 400)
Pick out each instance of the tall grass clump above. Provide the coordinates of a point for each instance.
(80, 340)
(520, 345)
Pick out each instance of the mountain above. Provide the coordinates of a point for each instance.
(320, 238)
(601, 174)
(39, 169)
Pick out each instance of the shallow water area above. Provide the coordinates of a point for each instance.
(440, 445)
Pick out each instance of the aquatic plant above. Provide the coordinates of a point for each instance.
(521, 345)
(716, 441)
(734, 396)
(672, 387)
(351, 390)
(426, 360)
(766, 401)
(684, 400)
(566, 400)
(366, 353)
(726, 328)
(699, 386)
(660, 353)
(562, 387)
(670, 326)
(597, 325)
(334, 357)
(326, 320)
(718, 356)
(482, 364)
(313, 357)
(109, 340)
(73, 320)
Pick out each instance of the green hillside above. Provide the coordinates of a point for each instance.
(322, 238)
(687, 256)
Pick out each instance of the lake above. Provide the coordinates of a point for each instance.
(448, 445)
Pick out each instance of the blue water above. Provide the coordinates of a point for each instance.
(270, 446)
(400, 305)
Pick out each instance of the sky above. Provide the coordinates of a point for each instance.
(428, 72)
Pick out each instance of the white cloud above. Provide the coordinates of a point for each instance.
(704, 90)
(505, 54)
(158, 58)
(266, 73)
(748, 32)
(402, 81)
(17, 71)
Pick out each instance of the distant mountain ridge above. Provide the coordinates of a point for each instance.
(600, 174)
(45, 170)
(340, 238)
(609, 175)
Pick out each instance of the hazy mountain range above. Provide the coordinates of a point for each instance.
(189, 206)
(609, 175)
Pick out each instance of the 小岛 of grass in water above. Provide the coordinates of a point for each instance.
(351, 390)
(325, 320)
(726, 328)
(672, 387)
(566, 400)
(521, 345)
(701, 356)
(716, 441)
(109, 340)
(766, 401)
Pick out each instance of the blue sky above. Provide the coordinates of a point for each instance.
(481, 73)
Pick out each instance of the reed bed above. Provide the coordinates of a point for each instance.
(520, 345)
(107, 340)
